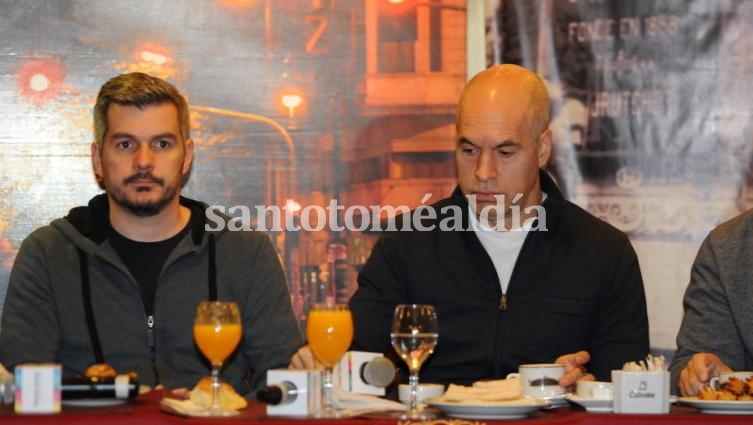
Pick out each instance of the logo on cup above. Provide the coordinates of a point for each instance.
(540, 380)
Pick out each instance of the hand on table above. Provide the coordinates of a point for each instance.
(304, 359)
(574, 368)
(699, 370)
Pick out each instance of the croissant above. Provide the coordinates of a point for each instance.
(229, 399)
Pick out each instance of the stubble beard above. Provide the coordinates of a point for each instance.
(142, 209)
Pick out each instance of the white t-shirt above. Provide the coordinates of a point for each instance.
(502, 246)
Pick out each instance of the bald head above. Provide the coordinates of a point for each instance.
(508, 89)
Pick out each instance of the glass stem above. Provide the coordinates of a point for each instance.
(413, 381)
(327, 406)
(216, 386)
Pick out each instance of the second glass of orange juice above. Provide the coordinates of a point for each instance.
(329, 331)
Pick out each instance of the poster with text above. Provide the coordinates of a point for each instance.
(651, 118)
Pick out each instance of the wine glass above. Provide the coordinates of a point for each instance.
(329, 331)
(414, 336)
(217, 331)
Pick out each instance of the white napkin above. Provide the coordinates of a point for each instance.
(183, 407)
(350, 404)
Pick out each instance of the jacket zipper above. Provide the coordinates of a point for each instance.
(503, 302)
(150, 333)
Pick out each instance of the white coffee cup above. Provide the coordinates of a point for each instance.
(425, 391)
(593, 390)
(717, 381)
(541, 379)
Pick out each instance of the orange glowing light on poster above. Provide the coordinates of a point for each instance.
(40, 79)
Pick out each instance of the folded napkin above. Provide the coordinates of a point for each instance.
(350, 404)
(183, 407)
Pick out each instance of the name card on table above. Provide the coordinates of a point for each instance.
(641, 391)
(37, 388)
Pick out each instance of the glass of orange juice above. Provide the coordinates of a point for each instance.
(329, 331)
(217, 332)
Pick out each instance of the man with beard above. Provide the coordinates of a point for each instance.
(118, 281)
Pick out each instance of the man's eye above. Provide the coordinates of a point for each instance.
(163, 143)
(124, 144)
(505, 154)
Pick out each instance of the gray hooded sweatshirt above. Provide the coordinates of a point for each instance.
(45, 316)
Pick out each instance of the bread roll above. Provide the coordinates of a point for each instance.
(100, 370)
(229, 399)
(484, 391)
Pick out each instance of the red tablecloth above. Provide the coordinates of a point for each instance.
(146, 410)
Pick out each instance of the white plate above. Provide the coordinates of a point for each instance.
(593, 404)
(556, 400)
(720, 407)
(94, 402)
(512, 409)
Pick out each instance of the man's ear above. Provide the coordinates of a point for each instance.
(188, 150)
(97, 164)
(544, 146)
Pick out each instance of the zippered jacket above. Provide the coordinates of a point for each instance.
(575, 286)
(45, 317)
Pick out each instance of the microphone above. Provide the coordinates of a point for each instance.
(291, 392)
(283, 393)
(379, 372)
(363, 372)
(120, 387)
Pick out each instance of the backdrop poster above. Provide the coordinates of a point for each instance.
(651, 117)
(306, 103)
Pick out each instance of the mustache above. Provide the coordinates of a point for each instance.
(144, 176)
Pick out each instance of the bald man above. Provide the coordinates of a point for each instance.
(516, 273)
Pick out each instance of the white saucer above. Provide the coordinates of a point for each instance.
(556, 400)
(597, 405)
(511, 409)
(720, 407)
